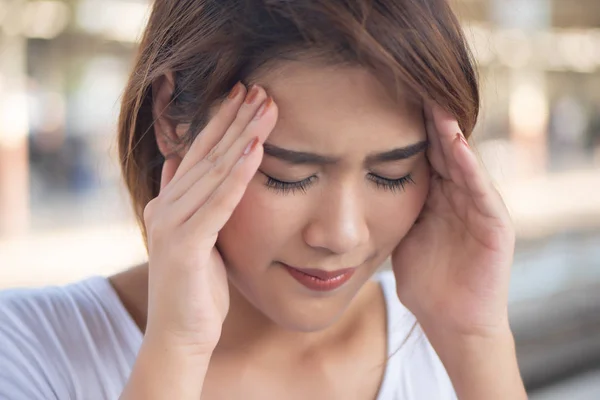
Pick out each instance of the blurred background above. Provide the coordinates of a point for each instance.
(64, 213)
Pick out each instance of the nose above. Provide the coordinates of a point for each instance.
(338, 223)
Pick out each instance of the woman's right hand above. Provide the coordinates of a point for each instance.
(188, 290)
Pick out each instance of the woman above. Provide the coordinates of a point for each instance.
(277, 153)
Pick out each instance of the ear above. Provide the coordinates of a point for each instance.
(165, 129)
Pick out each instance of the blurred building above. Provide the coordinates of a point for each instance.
(64, 64)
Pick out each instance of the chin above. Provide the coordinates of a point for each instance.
(294, 313)
(282, 301)
(305, 314)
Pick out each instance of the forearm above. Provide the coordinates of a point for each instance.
(165, 373)
(481, 368)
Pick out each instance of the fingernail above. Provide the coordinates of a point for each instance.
(263, 108)
(252, 95)
(235, 91)
(251, 146)
(462, 138)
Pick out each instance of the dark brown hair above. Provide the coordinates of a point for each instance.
(209, 45)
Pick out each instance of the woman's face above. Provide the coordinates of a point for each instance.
(339, 139)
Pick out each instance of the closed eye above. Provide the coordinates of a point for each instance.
(287, 187)
(392, 185)
(291, 187)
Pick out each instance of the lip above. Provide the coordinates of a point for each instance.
(320, 280)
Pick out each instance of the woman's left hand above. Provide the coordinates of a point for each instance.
(453, 267)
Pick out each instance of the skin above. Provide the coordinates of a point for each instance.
(297, 343)
(342, 219)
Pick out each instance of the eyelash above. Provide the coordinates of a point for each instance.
(393, 185)
(289, 187)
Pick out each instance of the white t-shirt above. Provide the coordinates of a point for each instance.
(79, 342)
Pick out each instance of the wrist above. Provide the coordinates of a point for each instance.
(480, 366)
(470, 340)
(492, 327)
(178, 345)
(164, 370)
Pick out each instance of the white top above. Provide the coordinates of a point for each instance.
(79, 342)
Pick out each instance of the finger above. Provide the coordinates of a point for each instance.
(213, 131)
(218, 209)
(258, 129)
(435, 154)
(186, 181)
(168, 171)
(255, 99)
(447, 128)
(247, 125)
(486, 198)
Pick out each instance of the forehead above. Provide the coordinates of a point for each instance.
(331, 107)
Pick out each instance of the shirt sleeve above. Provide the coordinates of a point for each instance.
(26, 372)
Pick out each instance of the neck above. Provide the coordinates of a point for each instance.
(132, 288)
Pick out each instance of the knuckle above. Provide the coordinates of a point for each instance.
(154, 220)
(158, 231)
(220, 167)
(213, 155)
(149, 211)
(208, 164)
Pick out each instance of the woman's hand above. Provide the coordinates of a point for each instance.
(453, 267)
(188, 295)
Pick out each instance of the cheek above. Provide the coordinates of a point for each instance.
(260, 226)
(395, 214)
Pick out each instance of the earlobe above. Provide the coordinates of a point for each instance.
(165, 130)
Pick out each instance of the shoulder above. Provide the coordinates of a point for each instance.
(414, 370)
(53, 340)
(69, 314)
(27, 308)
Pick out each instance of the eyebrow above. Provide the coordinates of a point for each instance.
(303, 158)
(401, 153)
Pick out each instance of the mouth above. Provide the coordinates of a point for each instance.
(320, 280)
